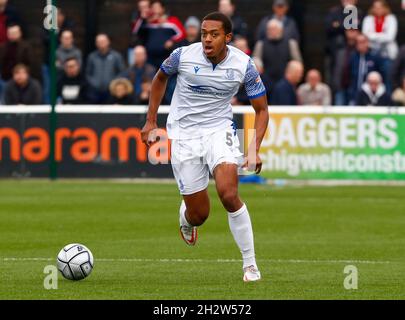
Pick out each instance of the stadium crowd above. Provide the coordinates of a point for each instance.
(364, 66)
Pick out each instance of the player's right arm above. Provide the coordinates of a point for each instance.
(158, 90)
(168, 68)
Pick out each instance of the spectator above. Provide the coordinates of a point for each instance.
(373, 92)
(22, 89)
(142, 14)
(145, 94)
(103, 65)
(335, 31)
(67, 49)
(160, 33)
(242, 44)
(341, 71)
(13, 52)
(381, 28)
(64, 23)
(72, 85)
(280, 10)
(398, 97)
(227, 7)
(8, 16)
(284, 93)
(275, 52)
(398, 68)
(139, 73)
(121, 92)
(314, 92)
(362, 62)
(192, 27)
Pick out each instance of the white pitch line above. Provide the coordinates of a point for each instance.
(292, 261)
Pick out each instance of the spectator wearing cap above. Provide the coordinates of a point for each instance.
(284, 93)
(373, 92)
(72, 85)
(103, 65)
(22, 89)
(192, 27)
(313, 92)
(280, 9)
(139, 73)
(275, 52)
(67, 49)
(121, 92)
(8, 16)
(228, 8)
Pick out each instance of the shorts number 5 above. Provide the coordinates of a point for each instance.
(229, 140)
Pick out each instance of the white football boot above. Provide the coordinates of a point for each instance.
(188, 234)
(251, 274)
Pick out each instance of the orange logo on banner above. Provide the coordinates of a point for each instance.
(85, 145)
(36, 145)
(85, 149)
(123, 137)
(15, 143)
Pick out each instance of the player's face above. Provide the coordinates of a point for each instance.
(213, 38)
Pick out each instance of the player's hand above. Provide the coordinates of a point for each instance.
(148, 133)
(253, 163)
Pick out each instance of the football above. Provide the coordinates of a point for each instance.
(75, 261)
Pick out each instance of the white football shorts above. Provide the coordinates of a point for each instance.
(194, 159)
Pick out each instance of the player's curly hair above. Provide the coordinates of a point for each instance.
(218, 16)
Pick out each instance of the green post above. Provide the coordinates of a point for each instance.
(53, 116)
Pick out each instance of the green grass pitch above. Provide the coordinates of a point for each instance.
(304, 239)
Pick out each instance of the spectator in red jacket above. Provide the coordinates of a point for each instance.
(14, 51)
(142, 13)
(8, 16)
(160, 33)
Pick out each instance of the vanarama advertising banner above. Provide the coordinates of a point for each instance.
(350, 144)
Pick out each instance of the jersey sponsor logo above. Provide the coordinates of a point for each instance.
(196, 69)
(209, 90)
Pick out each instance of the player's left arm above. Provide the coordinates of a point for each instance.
(258, 98)
(261, 123)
